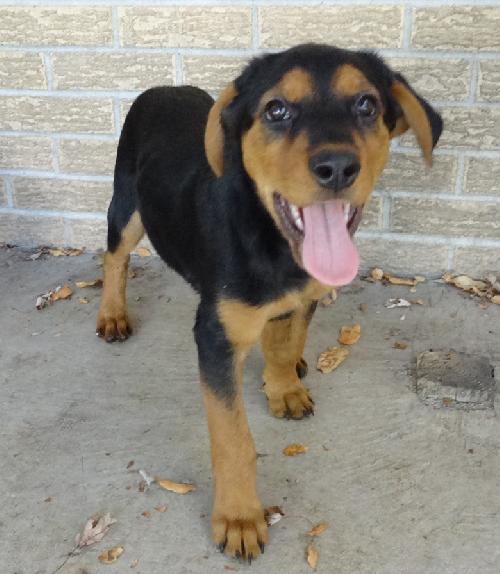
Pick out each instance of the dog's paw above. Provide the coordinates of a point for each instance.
(301, 367)
(113, 326)
(241, 534)
(295, 402)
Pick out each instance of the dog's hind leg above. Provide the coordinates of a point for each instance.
(283, 341)
(125, 230)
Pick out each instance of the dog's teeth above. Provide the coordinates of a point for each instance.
(347, 209)
(295, 211)
(299, 223)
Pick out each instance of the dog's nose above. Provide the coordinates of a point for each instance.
(335, 170)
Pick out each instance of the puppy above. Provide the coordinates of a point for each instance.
(254, 199)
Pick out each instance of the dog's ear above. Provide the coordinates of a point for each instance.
(214, 133)
(415, 113)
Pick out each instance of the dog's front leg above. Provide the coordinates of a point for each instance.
(238, 523)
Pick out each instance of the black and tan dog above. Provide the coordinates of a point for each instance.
(253, 199)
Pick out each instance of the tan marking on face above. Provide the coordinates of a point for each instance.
(373, 149)
(349, 81)
(295, 85)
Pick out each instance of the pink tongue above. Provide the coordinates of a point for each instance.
(328, 253)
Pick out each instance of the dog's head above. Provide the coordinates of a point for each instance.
(311, 127)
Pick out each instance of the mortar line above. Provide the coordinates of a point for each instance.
(56, 158)
(407, 27)
(412, 238)
(115, 27)
(474, 83)
(255, 28)
(249, 3)
(9, 190)
(459, 182)
(71, 215)
(179, 69)
(49, 74)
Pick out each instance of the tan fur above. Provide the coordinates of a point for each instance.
(237, 514)
(414, 117)
(112, 320)
(349, 81)
(295, 85)
(214, 135)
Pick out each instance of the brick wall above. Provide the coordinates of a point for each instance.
(69, 73)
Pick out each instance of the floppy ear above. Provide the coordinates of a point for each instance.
(417, 114)
(214, 133)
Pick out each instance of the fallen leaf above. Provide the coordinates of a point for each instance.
(294, 449)
(65, 252)
(132, 274)
(392, 303)
(377, 274)
(417, 302)
(318, 529)
(111, 555)
(273, 514)
(394, 280)
(134, 563)
(130, 464)
(330, 359)
(312, 555)
(94, 530)
(496, 299)
(83, 300)
(143, 252)
(93, 283)
(329, 298)
(148, 479)
(62, 293)
(146, 514)
(349, 334)
(162, 508)
(363, 307)
(400, 345)
(177, 487)
(230, 568)
(48, 499)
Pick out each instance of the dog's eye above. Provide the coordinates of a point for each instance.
(367, 106)
(277, 111)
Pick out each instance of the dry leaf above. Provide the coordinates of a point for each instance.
(93, 283)
(143, 252)
(146, 514)
(331, 359)
(417, 302)
(94, 530)
(363, 307)
(111, 555)
(130, 464)
(496, 299)
(349, 334)
(48, 499)
(419, 279)
(83, 300)
(230, 568)
(162, 508)
(377, 274)
(132, 274)
(273, 514)
(312, 555)
(329, 298)
(62, 293)
(294, 449)
(400, 345)
(394, 280)
(178, 487)
(134, 563)
(147, 479)
(392, 303)
(318, 529)
(65, 252)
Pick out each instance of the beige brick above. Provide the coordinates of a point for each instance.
(3, 194)
(89, 233)
(477, 261)
(61, 194)
(345, 26)
(186, 27)
(212, 73)
(446, 217)
(114, 71)
(489, 81)
(25, 152)
(435, 79)
(27, 231)
(457, 28)
(482, 176)
(402, 257)
(55, 26)
(22, 70)
(475, 128)
(87, 156)
(56, 114)
(405, 172)
(372, 214)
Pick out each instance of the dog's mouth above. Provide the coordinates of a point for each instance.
(320, 235)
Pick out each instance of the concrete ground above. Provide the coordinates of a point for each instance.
(405, 488)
